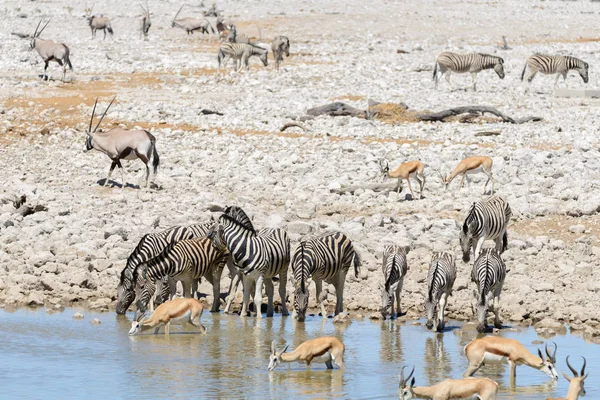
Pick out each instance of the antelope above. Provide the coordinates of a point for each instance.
(325, 349)
(50, 51)
(407, 170)
(575, 384)
(98, 22)
(146, 23)
(493, 348)
(471, 165)
(178, 311)
(480, 388)
(122, 144)
(190, 24)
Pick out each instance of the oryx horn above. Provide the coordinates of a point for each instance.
(103, 115)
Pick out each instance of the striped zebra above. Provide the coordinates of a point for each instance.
(462, 63)
(488, 273)
(440, 279)
(259, 255)
(150, 246)
(187, 261)
(328, 258)
(394, 269)
(486, 219)
(559, 65)
(280, 46)
(241, 53)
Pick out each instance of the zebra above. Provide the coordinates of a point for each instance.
(328, 258)
(486, 219)
(150, 246)
(187, 261)
(559, 65)
(280, 46)
(462, 63)
(240, 52)
(394, 269)
(488, 273)
(234, 37)
(259, 256)
(440, 280)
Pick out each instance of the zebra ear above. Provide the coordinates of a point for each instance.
(465, 228)
(457, 224)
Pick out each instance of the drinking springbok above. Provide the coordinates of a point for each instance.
(190, 24)
(325, 349)
(122, 144)
(50, 51)
(576, 388)
(494, 348)
(177, 311)
(480, 388)
(469, 166)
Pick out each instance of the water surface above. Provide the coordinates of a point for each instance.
(54, 356)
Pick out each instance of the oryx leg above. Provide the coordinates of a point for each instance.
(104, 30)
(122, 173)
(270, 290)
(110, 171)
(146, 162)
(258, 296)
(45, 76)
(320, 300)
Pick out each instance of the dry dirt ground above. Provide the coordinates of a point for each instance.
(340, 51)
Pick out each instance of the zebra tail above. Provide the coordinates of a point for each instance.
(434, 70)
(523, 73)
(504, 241)
(356, 262)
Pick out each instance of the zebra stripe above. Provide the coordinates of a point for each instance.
(258, 255)
(150, 246)
(488, 273)
(240, 52)
(327, 257)
(559, 65)
(394, 269)
(486, 219)
(440, 280)
(470, 62)
(187, 260)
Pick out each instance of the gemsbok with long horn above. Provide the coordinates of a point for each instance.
(190, 24)
(493, 348)
(122, 144)
(177, 311)
(146, 23)
(98, 22)
(50, 51)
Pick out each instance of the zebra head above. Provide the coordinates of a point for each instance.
(387, 297)
(466, 241)
(430, 311)
(583, 72)
(300, 267)
(216, 235)
(125, 291)
(480, 310)
(405, 387)
(264, 57)
(499, 68)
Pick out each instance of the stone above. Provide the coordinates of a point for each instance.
(35, 299)
(577, 229)
(77, 316)
(95, 321)
(342, 319)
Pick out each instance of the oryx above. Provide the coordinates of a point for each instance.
(98, 22)
(50, 51)
(190, 24)
(146, 24)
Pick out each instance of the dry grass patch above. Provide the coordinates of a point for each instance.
(557, 227)
(393, 113)
(349, 97)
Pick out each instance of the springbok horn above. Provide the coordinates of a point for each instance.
(552, 356)
(402, 380)
(411, 374)
(571, 368)
(105, 111)
(92, 119)
(42, 30)
(36, 28)
(175, 17)
(273, 347)
(583, 368)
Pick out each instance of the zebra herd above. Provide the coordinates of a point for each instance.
(474, 63)
(259, 258)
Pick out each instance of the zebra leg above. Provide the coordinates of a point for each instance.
(496, 305)
(270, 290)
(321, 300)
(448, 73)
(247, 287)
(398, 291)
(214, 279)
(232, 291)
(339, 292)
(556, 81)
(282, 291)
(441, 312)
(258, 296)
(474, 79)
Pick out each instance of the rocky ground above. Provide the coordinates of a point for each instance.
(341, 51)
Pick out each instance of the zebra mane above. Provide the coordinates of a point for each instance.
(302, 283)
(247, 226)
(389, 278)
(237, 215)
(133, 254)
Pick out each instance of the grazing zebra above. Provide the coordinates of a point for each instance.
(280, 46)
(440, 279)
(234, 37)
(150, 246)
(486, 219)
(324, 258)
(462, 63)
(394, 269)
(187, 261)
(259, 256)
(488, 274)
(241, 53)
(559, 65)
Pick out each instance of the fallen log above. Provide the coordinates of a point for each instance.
(376, 187)
(290, 125)
(488, 133)
(475, 110)
(337, 109)
(26, 209)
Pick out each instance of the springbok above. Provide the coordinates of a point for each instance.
(98, 22)
(469, 166)
(407, 170)
(122, 144)
(146, 23)
(177, 312)
(325, 349)
(576, 388)
(190, 24)
(50, 51)
(493, 348)
(480, 388)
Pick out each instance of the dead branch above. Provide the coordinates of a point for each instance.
(206, 111)
(488, 133)
(26, 209)
(376, 187)
(21, 35)
(292, 124)
(442, 115)
(337, 109)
